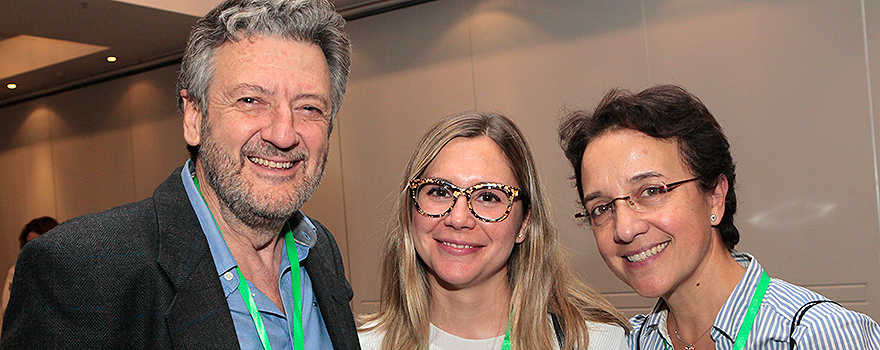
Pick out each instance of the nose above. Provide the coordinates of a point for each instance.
(460, 216)
(627, 223)
(280, 129)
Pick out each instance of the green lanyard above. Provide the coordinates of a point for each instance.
(754, 305)
(244, 289)
(749, 320)
(505, 345)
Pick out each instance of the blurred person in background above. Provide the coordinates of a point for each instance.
(35, 228)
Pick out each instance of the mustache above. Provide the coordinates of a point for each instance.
(267, 150)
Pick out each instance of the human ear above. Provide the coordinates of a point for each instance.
(717, 198)
(192, 120)
(523, 229)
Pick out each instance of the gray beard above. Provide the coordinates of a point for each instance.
(236, 193)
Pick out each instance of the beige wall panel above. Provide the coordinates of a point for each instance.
(158, 149)
(26, 192)
(26, 189)
(534, 60)
(327, 203)
(787, 82)
(157, 128)
(87, 183)
(409, 68)
(785, 79)
(872, 73)
(92, 148)
(25, 124)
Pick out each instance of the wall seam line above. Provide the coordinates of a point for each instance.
(871, 109)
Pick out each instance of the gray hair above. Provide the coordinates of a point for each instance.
(308, 21)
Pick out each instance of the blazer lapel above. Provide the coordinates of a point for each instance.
(198, 317)
(332, 290)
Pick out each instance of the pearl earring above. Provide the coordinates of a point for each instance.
(713, 217)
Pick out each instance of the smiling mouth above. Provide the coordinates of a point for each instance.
(271, 164)
(648, 253)
(458, 246)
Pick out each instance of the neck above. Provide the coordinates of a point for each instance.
(255, 238)
(694, 304)
(257, 250)
(477, 312)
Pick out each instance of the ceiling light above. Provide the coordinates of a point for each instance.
(11, 86)
(111, 58)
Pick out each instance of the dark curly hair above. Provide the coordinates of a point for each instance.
(666, 112)
(38, 225)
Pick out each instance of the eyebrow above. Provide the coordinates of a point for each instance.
(633, 180)
(252, 87)
(476, 184)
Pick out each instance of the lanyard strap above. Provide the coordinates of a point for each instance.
(298, 336)
(754, 305)
(505, 345)
(245, 291)
(748, 321)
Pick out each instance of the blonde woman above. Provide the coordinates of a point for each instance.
(471, 256)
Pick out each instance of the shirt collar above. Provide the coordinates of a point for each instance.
(656, 322)
(303, 230)
(731, 315)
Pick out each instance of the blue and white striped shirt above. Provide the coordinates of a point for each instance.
(825, 326)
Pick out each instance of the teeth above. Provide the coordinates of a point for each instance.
(458, 246)
(271, 164)
(647, 254)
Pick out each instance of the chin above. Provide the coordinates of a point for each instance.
(648, 288)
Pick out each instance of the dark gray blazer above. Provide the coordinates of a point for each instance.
(141, 276)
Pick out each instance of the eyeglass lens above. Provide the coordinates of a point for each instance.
(644, 199)
(486, 202)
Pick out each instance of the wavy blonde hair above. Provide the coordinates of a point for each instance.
(540, 274)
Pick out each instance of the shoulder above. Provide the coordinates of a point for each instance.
(104, 230)
(323, 234)
(820, 323)
(371, 338)
(325, 244)
(784, 300)
(606, 336)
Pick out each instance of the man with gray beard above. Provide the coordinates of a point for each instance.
(220, 257)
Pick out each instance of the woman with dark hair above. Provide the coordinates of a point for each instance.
(35, 228)
(655, 177)
(471, 258)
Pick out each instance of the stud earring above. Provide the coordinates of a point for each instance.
(713, 217)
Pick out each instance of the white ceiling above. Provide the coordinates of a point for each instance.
(200, 7)
(49, 46)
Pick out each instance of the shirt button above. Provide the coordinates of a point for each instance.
(228, 275)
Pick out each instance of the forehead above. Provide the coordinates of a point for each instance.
(469, 161)
(267, 60)
(621, 157)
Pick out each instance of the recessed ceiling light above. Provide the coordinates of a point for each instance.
(11, 86)
(111, 58)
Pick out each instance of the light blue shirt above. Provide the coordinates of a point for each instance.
(825, 326)
(278, 326)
